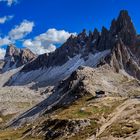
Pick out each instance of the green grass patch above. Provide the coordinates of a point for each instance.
(121, 129)
(91, 109)
(11, 134)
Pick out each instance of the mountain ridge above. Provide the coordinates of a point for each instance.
(83, 47)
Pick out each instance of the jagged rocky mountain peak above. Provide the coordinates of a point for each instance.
(104, 30)
(11, 50)
(124, 19)
(124, 28)
(15, 57)
(84, 32)
(27, 53)
(96, 32)
(123, 22)
(71, 37)
(83, 35)
(26, 56)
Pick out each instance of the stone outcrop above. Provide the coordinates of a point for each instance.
(56, 129)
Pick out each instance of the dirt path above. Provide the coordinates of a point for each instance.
(113, 117)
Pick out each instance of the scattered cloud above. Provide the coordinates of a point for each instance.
(5, 19)
(43, 43)
(54, 36)
(4, 41)
(2, 53)
(9, 2)
(20, 31)
(47, 41)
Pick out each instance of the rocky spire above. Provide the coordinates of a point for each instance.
(124, 28)
(96, 33)
(11, 51)
(104, 40)
(83, 35)
(124, 21)
(121, 28)
(113, 27)
(25, 56)
(94, 36)
(93, 39)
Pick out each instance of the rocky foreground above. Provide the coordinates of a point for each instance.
(74, 111)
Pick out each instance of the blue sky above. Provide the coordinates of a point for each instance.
(56, 20)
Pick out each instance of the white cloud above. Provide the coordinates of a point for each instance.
(4, 41)
(5, 19)
(51, 48)
(43, 43)
(2, 53)
(9, 2)
(34, 46)
(55, 36)
(21, 30)
(46, 42)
